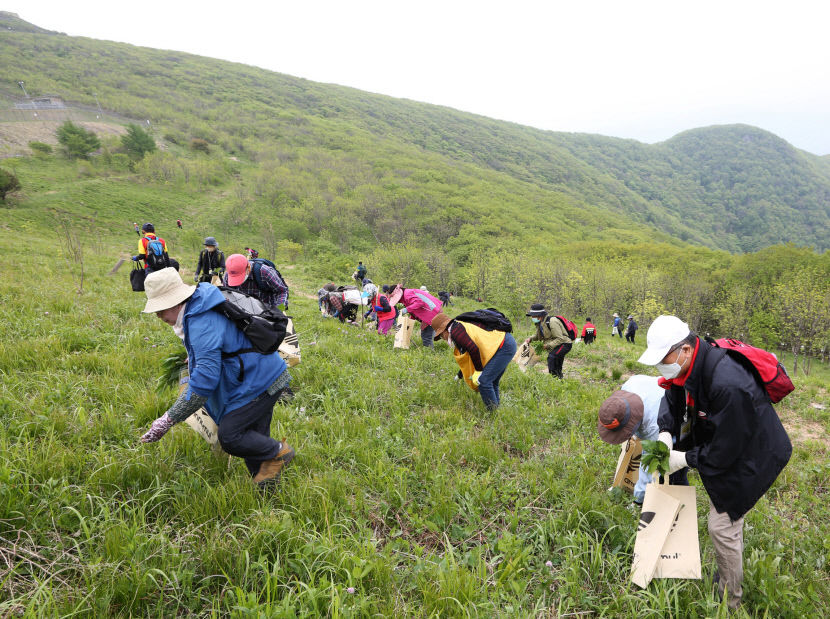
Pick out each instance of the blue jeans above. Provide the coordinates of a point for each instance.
(488, 382)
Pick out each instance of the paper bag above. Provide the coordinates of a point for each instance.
(628, 465)
(526, 357)
(202, 423)
(680, 555)
(289, 350)
(659, 512)
(403, 331)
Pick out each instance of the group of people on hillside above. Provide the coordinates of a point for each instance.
(709, 409)
(630, 331)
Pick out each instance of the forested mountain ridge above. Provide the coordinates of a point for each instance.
(732, 187)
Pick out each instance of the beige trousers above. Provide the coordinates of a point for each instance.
(728, 539)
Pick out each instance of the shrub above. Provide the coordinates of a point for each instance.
(137, 141)
(77, 141)
(199, 145)
(8, 183)
(40, 147)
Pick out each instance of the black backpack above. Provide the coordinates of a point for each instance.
(489, 319)
(264, 325)
(155, 256)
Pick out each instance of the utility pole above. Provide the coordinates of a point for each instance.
(24, 90)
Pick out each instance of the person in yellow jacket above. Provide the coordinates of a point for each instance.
(482, 355)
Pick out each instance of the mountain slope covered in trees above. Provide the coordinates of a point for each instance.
(734, 187)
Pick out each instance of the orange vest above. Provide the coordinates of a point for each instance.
(382, 315)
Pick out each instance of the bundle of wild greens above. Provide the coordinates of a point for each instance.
(539, 347)
(655, 457)
(171, 368)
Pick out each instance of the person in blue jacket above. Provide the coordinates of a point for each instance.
(240, 402)
(632, 411)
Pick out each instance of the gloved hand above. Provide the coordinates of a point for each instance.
(666, 439)
(404, 311)
(474, 378)
(158, 429)
(677, 461)
(196, 278)
(135, 258)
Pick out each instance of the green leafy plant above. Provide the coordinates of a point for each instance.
(655, 457)
(8, 184)
(171, 368)
(137, 141)
(77, 141)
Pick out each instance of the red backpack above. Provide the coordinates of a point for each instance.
(764, 365)
(569, 326)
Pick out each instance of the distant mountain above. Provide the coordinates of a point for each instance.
(730, 187)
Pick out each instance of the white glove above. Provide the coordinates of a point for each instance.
(677, 461)
(665, 438)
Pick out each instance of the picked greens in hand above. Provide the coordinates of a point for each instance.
(655, 457)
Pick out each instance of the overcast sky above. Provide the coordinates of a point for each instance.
(638, 69)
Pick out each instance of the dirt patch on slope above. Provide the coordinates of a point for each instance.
(15, 136)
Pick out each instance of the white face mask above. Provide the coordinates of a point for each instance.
(670, 370)
(178, 328)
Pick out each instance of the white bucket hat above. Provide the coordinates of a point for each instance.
(664, 332)
(165, 289)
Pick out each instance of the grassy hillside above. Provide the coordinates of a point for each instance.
(404, 488)
(734, 188)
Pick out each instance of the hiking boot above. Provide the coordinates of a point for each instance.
(270, 470)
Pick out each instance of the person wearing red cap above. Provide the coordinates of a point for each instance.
(257, 280)
(717, 418)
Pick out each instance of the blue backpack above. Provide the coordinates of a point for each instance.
(155, 256)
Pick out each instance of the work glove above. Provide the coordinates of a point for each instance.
(158, 429)
(665, 438)
(135, 258)
(404, 311)
(196, 278)
(474, 378)
(677, 461)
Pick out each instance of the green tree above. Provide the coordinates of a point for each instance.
(137, 141)
(77, 141)
(804, 312)
(8, 183)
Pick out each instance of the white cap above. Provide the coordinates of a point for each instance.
(165, 289)
(664, 332)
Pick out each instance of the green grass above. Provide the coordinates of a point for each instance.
(404, 487)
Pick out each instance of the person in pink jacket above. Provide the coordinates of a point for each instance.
(419, 304)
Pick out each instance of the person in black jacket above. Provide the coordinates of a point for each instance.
(211, 262)
(718, 419)
(632, 329)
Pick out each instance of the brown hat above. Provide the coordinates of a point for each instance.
(618, 416)
(440, 323)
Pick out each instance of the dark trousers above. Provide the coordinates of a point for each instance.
(589, 338)
(427, 335)
(245, 432)
(629, 336)
(555, 359)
